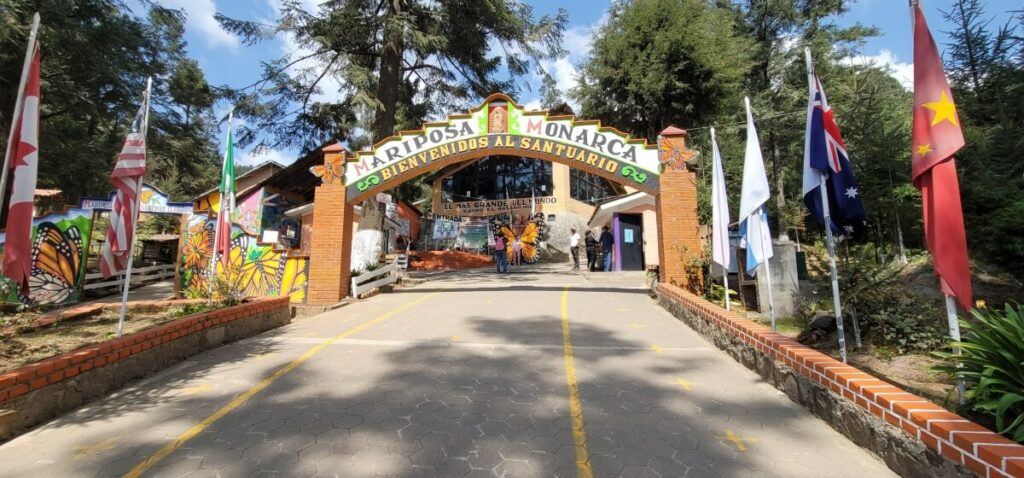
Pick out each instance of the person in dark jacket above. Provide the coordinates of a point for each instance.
(606, 248)
(590, 244)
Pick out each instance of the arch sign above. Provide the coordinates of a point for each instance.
(500, 126)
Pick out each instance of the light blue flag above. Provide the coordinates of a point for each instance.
(755, 193)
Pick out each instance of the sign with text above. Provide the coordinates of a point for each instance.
(151, 200)
(492, 207)
(499, 126)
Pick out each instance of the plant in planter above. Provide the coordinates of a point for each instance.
(991, 363)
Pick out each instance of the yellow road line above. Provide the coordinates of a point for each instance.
(239, 400)
(579, 434)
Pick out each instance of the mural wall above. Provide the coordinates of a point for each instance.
(58, 258)
(258, 268)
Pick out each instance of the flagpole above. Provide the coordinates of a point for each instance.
(217, 232)
(954, 333)
(725, 283)
(767, 271)
(126, 285)
(33, 32)
(829, 238)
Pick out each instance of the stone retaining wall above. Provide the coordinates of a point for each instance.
(37, 392)
(915, 437)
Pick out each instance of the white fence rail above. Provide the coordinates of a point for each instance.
(368, 281)
(139, 275)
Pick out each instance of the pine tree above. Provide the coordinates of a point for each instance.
(395, 62)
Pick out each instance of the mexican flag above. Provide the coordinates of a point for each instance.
(227, 199)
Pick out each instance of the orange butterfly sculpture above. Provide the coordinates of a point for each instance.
(332, 170)
(526, 242)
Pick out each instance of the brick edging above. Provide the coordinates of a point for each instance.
(37, 375)
(954, 438)
(84, 311)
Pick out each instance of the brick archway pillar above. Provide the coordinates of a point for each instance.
(678, 227)
(330, 255)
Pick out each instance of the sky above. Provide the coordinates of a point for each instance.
(227, 61)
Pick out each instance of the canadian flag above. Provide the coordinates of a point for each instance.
(23, 158)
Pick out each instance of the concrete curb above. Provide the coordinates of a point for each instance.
(36, 392)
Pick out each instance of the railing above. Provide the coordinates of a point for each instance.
(139, 276)
(368, 281)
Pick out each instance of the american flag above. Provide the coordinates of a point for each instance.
(127, 180)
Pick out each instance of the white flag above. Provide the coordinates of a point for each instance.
(719, 209)
(755, 193)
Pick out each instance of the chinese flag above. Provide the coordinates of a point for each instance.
(937, 137)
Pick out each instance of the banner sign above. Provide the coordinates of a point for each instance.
(492, 207)
(445, 229)
(151, 199)
(500, 126)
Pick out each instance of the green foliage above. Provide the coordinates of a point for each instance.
(394, 64)
(662, 62)
(890, 314)
(991, 362)
(189, 309)
(96, 57)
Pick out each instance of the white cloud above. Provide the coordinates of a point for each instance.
(886, 59)
(201, 20)
(257, 157)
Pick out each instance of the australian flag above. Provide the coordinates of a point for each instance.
(824, 152)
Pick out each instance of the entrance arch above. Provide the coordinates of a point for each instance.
(499, 126)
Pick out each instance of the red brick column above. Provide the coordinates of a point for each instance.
(330, 254)
(676, 206)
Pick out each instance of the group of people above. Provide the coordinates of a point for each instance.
(501, 257)
(590, 245)
(599, 247)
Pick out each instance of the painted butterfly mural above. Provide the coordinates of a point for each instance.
(255, 269)
(528, 240)
(674, 153)
(56, 261)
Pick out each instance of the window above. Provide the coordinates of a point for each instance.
(495, 176)
(590, 188)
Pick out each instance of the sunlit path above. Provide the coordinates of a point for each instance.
(465, 374)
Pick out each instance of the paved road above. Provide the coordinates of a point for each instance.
(469, 374)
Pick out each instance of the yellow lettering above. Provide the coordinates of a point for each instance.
(402, 167)
(559, 148)
(484, 142)
(385, 174)
(548, 146)
(524, 143)
(433, 154)
(591, 159)
(582, 156)
(611, 167)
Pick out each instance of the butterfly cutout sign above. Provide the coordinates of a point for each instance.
(674, 153)
(332, 170)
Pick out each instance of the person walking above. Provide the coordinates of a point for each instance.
(574, 248)
(500, 254)
(591, 246)
(606, 248)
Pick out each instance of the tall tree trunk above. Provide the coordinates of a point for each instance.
(390, 74)
(780, 196)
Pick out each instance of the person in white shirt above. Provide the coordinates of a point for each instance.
(574, 247)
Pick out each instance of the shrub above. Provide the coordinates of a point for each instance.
(991, 363)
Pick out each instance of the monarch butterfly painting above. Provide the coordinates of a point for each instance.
(254, 269)
(56, 260)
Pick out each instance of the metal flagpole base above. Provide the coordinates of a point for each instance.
(954, 332)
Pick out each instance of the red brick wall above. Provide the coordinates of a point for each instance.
(330, 251)
(678, 227)
(65, 366)
(407, 212)
(951, 436)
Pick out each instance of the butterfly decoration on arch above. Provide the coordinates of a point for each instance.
(332, 170)
(56, 259)
(527, 241)
(674, 153)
